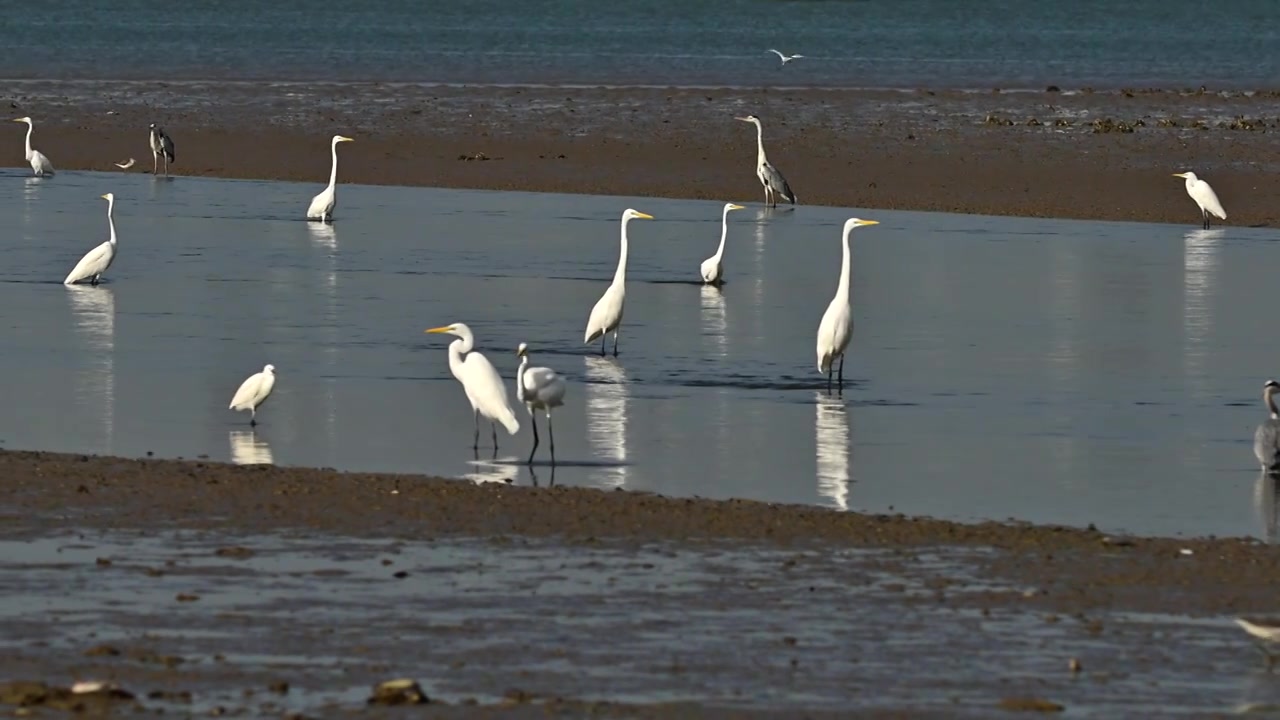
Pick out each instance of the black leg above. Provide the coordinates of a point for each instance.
(840, 385)
(494, 427)
(551, 431)
(475, 445)
(533, 419)
(253, 422)
(615, 343)
(604, 338)
(828, 379)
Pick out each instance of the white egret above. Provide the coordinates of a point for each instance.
(774, 183)
(1266, 439)
(1204, 196)
(606, 315)
(538, 388)
(253, 392)
(712, 272)
(322, 204)
(124, 165)
(784, 58)
(1267, 633)
(480, 381)
(161, 146)
(39, 163)
(96, 261)
(837, 322)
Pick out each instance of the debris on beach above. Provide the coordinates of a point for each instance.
(402, 691)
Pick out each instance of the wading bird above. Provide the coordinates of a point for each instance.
(712, 272)
(784, 58)
(161, 145)
(606, 315)
(1266, 439)
(1204, 196)
(480, 381)
(322, 204)
(124, 165)
(774, 184)
(96, 261)
(1267, 633)
(837, 322)
(39, 163)
(539, 388)
(253, 392)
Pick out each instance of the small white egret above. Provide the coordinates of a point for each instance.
(837, 322)
(606, 315)
(161, 146)
(538, 388)
(774, 183)
(253, 392)
(1204, 196)
(1266, 439)
(124, 165)
(322, 204)
(480, 381)
(784, 58)
(712, 272)
(96, 261)
(39, 163)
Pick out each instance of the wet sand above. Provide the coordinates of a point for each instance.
(1075, 154)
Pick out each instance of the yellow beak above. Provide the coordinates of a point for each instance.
(437, 330)
(1181, 175)
(346, 139)
(736, 207)
(868, 222)
(644, 216)
(104, 197)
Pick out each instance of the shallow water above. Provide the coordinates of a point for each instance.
(1046, 370)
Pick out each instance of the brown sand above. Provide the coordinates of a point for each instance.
(1091, 155)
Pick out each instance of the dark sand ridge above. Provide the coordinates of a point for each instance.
(1079, 155)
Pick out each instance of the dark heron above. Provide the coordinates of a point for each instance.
(1266, 439)
(775, 185)
(161, 144)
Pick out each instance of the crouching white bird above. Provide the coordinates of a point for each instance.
(606, 314)
(322, 205)
(96, 261)
(837, 322)
(480, 381)
(253, 392)
(39, 163)
(538, 388)
(712, 271)
(1204, 196)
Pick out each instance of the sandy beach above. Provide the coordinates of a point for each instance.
(1072, 154)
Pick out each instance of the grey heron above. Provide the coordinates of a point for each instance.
(837, 322)
(711, 269)
(538, 388)
(774, 183)
(1266, 439)
(96, 261)
(161, 145)
(322, 204)
(606, 314)
(39, 163)
(1204, 196)
(253, 392)
(784, 58)
(480, 381)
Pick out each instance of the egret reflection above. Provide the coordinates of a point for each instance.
(492, 471)
(94, 311)
(715, 323)
(1201, 260)
(607, 398)
(323, 234)
(831, 431)
(249, 449)
(1264, 504)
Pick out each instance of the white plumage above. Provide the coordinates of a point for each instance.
(711, 269)
(253, 392)
(39, 163)
(480, 381)
(538, 388)
(322, 205)
(1204, 196)
(96, 261)
(837, 322)
(784, 58)
(606, 314)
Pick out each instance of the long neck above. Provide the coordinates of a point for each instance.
(30, 127)
(457, 352)
(760, 158)
(333, 170)
(1269, 396)
(724, 232)
(111, 222)
(524, 363)
(843, 290)
(620, 275)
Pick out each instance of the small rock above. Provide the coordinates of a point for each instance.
(1028, 704)
(1053, 88)
(101, 651)
(402, 691)
(235, 551)
(186, 597)
(279, 686)
(1074, 665)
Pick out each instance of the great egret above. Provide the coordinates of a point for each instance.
(837, 322)
(774, 183)
(606, 315)
(322, 204)
(1266, 439)
(253, 392)
(712, 272)
(1267, 633)
(784, 58)
(161, 145)
(96, 261)
(124, 165)
(538, 388)
(481, 383)
(39, 163)
(1204, 196)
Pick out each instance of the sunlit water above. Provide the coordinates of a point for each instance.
(1052, 371)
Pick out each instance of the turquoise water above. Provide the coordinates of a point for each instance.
(872, 43)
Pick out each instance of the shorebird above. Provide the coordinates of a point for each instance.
(39, 162)
(1266, 439)
(253, 392)
(161, 146)
(124, 165)
(1267, 633)
(770, 177)
(1204, 196)
(784, 58)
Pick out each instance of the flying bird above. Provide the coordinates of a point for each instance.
(784, 58)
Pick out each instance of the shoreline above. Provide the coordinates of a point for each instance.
(1074, 155)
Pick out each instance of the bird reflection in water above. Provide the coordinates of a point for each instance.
(831, 430)
(714, 321)
(94, 309)
(607, 397)
(549, 477)
(1264, 503)
(323, 234)
(492, 471)
(249, 449)
(1200, 260)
